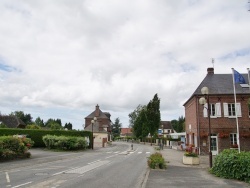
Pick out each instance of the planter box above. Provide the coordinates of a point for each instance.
(191, 160)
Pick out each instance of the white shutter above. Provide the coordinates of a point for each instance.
(238, 108)
(205, 110)
(225, 108)
(217, 110)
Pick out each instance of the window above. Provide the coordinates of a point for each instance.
(230, 110)
(212, 108)
(215, 109)
(233, 139)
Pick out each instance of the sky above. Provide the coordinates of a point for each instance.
(59, 59)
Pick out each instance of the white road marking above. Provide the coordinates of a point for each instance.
(87, 168)
(22, 184)
(7, 177)
(148, 152)
(139, 152)
(94, 162)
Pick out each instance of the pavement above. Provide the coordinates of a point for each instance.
(179, 175)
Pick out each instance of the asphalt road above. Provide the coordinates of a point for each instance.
(116, 166)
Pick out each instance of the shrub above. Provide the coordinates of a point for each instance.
(232, 165)
(12, 147)
(64, 142)
(156, 161)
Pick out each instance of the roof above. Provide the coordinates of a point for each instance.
(99, 114)
(166, 125)
(126, 130)
(95, 128)
(220, 84)
(12, 121)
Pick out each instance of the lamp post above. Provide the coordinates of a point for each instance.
(203, 101)
(92, 123)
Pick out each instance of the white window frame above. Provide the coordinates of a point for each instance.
(233, 138)
(217, 110)
(226, 112)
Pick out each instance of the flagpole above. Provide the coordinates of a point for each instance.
(236, 114)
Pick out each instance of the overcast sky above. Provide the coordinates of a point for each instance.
(60, 58)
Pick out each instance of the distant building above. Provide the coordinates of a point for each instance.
(12, 121)
(101, 128)
(165, 128)
(126, 132)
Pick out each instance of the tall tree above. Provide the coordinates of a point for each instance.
(116, 128)
(26, 118)
(133, 115)
(179, 125)
(153, 115)
(39, 122)
(135, 121)
(53, 124)
(68, 126)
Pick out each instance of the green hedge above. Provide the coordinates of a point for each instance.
(232, 165)
(65, 142)
(37, 135)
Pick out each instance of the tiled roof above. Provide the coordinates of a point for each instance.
(12, 121)
(126, 130)
(220, 84)
(166, 125)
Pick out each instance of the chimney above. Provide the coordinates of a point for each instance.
(97, 111)
(210, 70)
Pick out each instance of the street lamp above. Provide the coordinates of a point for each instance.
(92, 123)
(203, 101)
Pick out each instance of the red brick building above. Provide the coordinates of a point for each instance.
(222, 116)
(102, 124)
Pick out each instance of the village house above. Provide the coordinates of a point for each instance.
(11, 121)
(125, 132)
(101, 127)
(165, 128)
(223, 124)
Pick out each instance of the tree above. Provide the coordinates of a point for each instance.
(53, 124)
(136, 120)
(68, 126)
(39, 122)
(153, 115)
(179, 125)
(26, 118)
(116, 128)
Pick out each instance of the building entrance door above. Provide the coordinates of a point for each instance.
(214, 144)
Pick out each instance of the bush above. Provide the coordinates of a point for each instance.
(14, 147)
(232, 165)
(37, 134)
(64, 142)
(156, 161)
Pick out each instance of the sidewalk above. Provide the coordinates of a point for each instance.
(179, 175)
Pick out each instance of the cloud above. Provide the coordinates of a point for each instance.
(58, 59)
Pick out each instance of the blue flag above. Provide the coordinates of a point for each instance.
(238, 78)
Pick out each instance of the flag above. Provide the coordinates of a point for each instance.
(238, 78)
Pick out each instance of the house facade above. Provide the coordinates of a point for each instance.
(101, 128)
(165, 128)
(223, 124)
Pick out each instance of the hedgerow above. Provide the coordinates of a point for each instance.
(65, 142)
(37, 134)
(231, 164)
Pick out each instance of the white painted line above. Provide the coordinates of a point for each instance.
(116, 152)
(22, 184)
(94, 162)
(139, 152)
(7, 177)
(63, 171)
(110, 156)
(147, 152)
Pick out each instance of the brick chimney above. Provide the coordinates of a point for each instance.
(210, 70)
(97, 111)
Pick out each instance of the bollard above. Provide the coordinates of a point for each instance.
(131, 146)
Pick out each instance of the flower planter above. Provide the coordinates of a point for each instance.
(191, 160)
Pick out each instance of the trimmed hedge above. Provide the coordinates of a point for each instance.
(65, 142)
(232, 165)
(37, 135)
